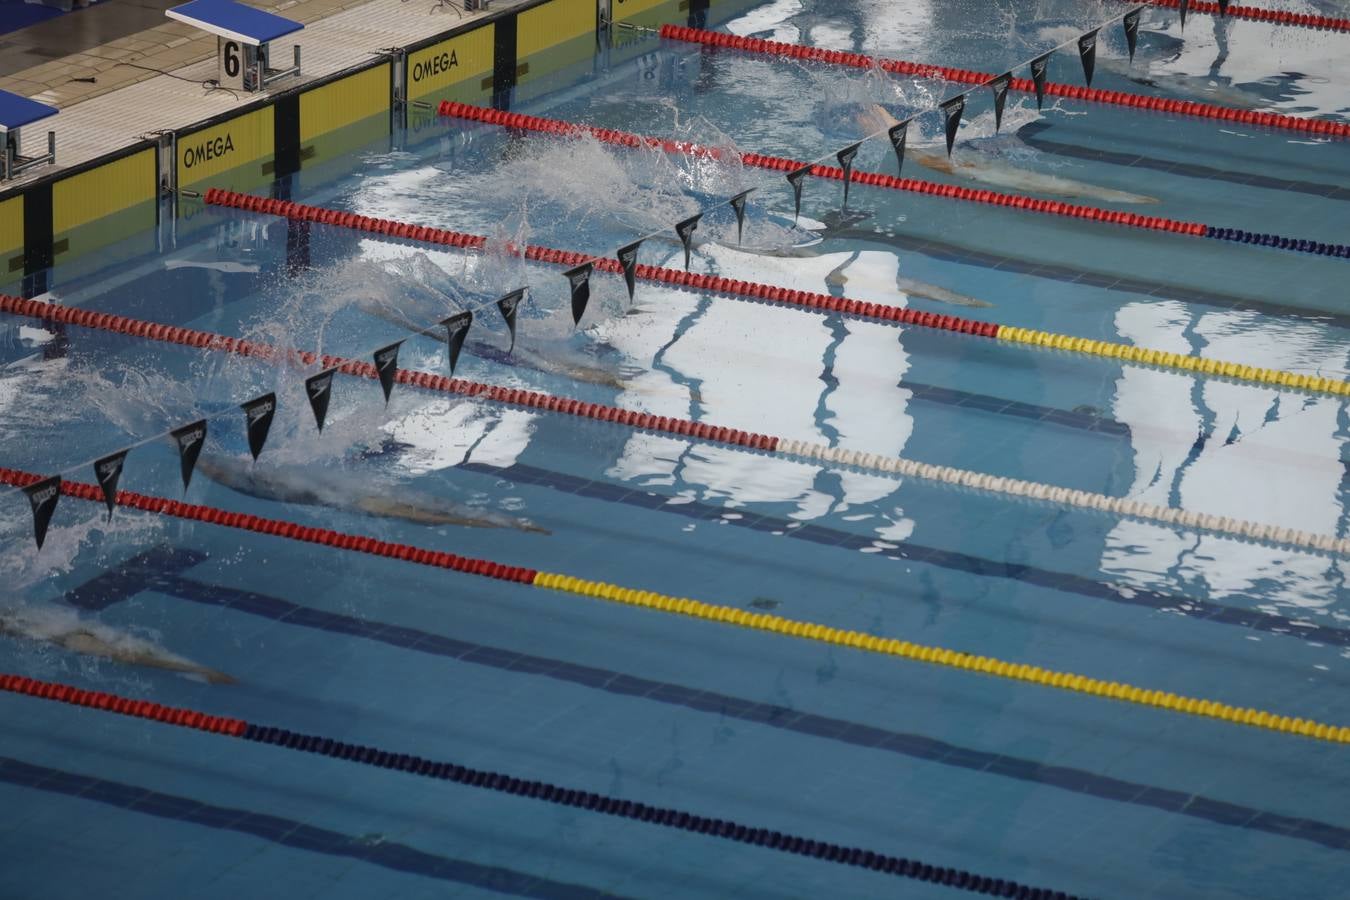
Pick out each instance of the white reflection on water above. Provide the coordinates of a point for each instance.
(1230, 473)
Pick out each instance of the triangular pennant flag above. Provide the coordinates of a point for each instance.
(846, 157)
(319, 389)
(386, 366)
(1087, 52)
(738, 204)
(1183, 6)
(1223, 7)
(189, 439)
(508, 306)
(1039, 65)
(897, 136)
(628, 262)
(258, 414)
(685, 230)
(579, 279)
(1000, 88)
(456, 330)
(951, 117)
(1131, 22)
(42, 496)
(795, 179)
(107, 472)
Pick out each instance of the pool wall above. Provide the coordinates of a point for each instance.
(514, 54)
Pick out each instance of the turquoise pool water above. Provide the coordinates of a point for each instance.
(1017, 781)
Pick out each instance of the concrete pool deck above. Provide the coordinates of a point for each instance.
(108, 102)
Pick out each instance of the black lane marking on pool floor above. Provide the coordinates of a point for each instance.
(914, 746)
(907, 551)
(1030, 135)
(290, 833)
(144, 571)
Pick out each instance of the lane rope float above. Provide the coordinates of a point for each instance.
(754, 291)
(412, 764)
(890, 465)
(710, 612)
(1319, 127)
(1257, 13)
(913, 185)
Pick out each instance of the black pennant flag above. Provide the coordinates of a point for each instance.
(42, 496)
(738, 204)
(456, 330)
(1183, 7)
(1131, 22)
(107, 472)
(1000, 88)
(628, 261)
(795, 178)
(579, 279)
(258, 414)
(1039, 65)
(386, 366)
(951, 117)
(685, 230)
(846, 157)
(1087, 52)
(189, 440)
(508, 306)
(1223, 7)
(897, 135)
(319, 389)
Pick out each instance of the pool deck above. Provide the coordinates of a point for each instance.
(121, 104)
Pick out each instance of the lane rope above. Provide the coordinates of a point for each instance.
(1256, 13)
(666, 817)
(710, 612)
(890, 465)
(1320, 127)
(717, 284)
(914, 185)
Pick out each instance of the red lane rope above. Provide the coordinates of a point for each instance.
(206, 340)
(546, 792)
(1322, 127)
(717, 284)
(780, 164)
(995, 198)
(169, 715)
(1277, 16)
(280, 528)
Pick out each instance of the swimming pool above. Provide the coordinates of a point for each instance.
(993, 775)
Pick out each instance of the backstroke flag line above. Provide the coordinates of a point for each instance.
(319, 390)
(107, 472)
(189, 439)
(258, 415)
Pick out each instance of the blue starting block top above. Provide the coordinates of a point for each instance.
(16, 111)
(233, 21)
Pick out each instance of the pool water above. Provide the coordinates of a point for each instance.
(1048, 787)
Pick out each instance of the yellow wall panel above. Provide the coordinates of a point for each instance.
(220, 148)
(11, 228)
(103, 190)
(552, 24)
(460, 58)
(342, 102)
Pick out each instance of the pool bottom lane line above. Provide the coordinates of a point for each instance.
(534, 790)
(745, 440)
(710, 612)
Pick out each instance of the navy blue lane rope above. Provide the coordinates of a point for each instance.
(642, 812)
(1275, 240)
